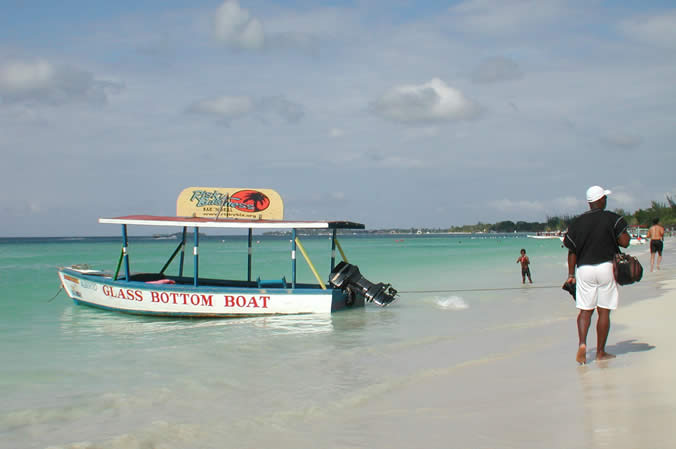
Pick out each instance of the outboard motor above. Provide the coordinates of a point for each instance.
(348, 278)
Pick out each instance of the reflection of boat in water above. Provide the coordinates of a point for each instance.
(86, 322)
(159, 293)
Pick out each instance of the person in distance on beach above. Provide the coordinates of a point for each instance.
(592, 241)
(656, 236)
(525, 271)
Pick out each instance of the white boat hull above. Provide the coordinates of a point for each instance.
(144, 298)
(638, 242)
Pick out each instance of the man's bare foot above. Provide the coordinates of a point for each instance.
(604, 356)
(581, 356)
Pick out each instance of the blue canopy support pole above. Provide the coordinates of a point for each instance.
(196, 255)
(248, 271)
(293, 258)
(180, 265)
(125, 252)
(333, 249)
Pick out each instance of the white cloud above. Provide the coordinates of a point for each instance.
(234, 26)
(34, 207)
(506, 205)
(567, 203)
(492, 70)
(539, 208)
(336, 132)
(21, 114)
(280, 107)
(659, 30)
(41, 82)
(430, 102)
(396, 161)
(622, 141)
(422, 132)
(622, 199)
(23, 76)
(505, 16)
(228, 108)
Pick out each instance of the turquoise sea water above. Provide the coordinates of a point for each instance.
(78, 377)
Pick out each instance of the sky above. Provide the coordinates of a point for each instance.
(393, 113)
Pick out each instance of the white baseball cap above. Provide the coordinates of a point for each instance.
(595, 193)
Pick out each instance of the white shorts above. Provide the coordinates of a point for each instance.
(596, 287)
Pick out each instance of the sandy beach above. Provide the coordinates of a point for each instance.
(630, 402)
(530, 392)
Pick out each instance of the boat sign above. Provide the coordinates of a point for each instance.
(223, 202)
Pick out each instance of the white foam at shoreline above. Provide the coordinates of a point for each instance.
(451, 303)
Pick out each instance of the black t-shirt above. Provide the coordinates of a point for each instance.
(593, 236)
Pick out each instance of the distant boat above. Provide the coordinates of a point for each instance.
(638, 235)
(547, 235)
(165, 236)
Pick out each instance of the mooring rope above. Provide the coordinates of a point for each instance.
(57, 294)
(455, 290)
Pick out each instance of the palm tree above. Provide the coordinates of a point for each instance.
(671, 202)
(258, 199)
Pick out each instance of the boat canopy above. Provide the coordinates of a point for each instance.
(198, 222)
(202, 222)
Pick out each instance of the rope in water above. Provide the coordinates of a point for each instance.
(57, 294)
(477, 289)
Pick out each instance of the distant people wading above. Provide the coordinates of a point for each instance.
(592, 241)
(525, 270)
(656, 236)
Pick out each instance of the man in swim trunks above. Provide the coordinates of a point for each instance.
(525, 270)
(592, 241)
(656, 236)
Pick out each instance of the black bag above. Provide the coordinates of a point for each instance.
(626, 269)
(570, 288)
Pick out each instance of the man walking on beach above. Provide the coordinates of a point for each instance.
(592, 241)
(656, 236)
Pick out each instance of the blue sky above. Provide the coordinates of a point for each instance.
(392, 113)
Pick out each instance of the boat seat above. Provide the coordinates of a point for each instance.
(280, 283)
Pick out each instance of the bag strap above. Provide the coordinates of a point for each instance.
(617, 246)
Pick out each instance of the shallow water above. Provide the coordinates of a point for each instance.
(79, 377)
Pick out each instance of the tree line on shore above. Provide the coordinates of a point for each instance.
(666, 212)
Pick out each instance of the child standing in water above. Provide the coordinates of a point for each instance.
(525, 271)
